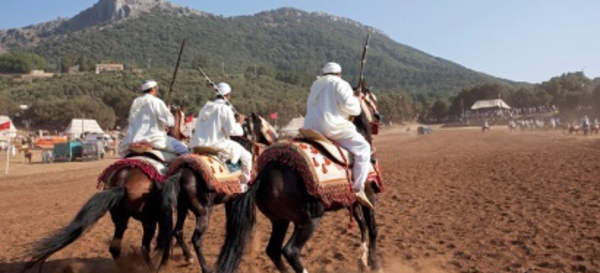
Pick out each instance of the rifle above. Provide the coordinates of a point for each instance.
(214, 86)
(361, 76)
(168, 100)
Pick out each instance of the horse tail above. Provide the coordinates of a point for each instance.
(171, 189)
(168, 202)
(241, 218)
(87, 216)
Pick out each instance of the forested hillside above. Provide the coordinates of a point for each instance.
(286, 40)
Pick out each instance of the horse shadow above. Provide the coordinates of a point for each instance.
(129, 264)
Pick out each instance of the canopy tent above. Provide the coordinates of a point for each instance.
(80, 126)
(291, 129)
(11, 132)
(490, 104)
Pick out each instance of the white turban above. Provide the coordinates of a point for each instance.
(332, 68)
(223, 89)
(147, 85)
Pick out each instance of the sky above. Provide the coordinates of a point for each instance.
(520, 40)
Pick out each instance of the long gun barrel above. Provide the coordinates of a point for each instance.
(361, 76)
(168, 100)
(214, 86)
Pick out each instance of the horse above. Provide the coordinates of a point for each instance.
(192, 192)
(27, 152)
(595, 128)
(573, 128)
(586, 128)
(130, 190)
(281, 194)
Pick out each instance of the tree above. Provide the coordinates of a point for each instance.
(440, 108)
(55, 114)
(20, 62)
(8, 106)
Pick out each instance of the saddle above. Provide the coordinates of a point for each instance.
(153, 168)
(221, 177)
(337, 153)
(145, 149)
(324, 166)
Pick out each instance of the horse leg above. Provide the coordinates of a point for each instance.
(279, 229)
(120, 219)
(202, 216)
(149, 230)
(369, 215)
(178, 232)
(363, 262)
(293, 249)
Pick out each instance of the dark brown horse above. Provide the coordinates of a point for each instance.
(281, 195)
(130, 194)
(193, 195)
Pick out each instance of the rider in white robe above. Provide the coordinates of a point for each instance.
(148, 118)
(330, 105)
(215, 124)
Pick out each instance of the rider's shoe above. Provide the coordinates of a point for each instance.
(362, 198)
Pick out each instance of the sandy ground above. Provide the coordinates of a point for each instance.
(456, 201)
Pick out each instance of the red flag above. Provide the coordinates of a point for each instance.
(5, 126)
(273, 115)
(189, 119)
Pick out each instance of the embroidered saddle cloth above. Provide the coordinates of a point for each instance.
(221, 177)
(327, 177)
(154, 169)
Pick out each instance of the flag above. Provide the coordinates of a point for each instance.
(189, 119)
(5, 126)
(273, 115)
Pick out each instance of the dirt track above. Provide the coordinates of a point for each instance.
(456, 201)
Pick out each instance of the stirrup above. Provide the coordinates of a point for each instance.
(362, 198)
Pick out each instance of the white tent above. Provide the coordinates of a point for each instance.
(11, 132)
(291, 129)
(485, 104)
(79, 126)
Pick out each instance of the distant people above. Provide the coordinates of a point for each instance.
(148, 118)
(586, 121)
(330, 104)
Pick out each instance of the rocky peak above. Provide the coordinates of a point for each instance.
(106, 11)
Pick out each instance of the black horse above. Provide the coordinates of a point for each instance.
(193, 195)
(131, 193)
(281, 195)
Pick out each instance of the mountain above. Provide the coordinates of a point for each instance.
(290, 42)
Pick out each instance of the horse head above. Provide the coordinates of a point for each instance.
(264, 133)
(367, 123)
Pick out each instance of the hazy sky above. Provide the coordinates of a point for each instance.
(521, 40)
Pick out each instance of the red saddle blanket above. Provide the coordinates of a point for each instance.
(150, 167)
(213, 171)
(326, 179)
